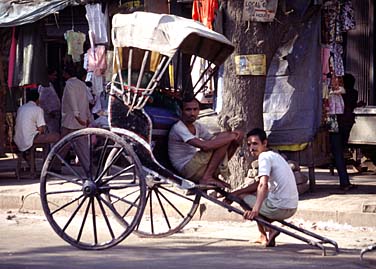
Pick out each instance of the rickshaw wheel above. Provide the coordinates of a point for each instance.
(167, 210)
(76, 200)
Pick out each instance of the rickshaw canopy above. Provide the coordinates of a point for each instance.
(168, 33)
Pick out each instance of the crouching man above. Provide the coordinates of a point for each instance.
(273, 195)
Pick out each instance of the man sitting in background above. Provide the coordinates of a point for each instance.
(30, 125)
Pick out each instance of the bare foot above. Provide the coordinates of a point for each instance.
(272, 236)
(263, 240)
(215, 182)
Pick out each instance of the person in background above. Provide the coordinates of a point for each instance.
(30, 124)
(75, 103)
(75, 111)
(274, 194)
(350, 100)
(50, 103)
(339, 140)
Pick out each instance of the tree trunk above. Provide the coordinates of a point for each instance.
(243, 95)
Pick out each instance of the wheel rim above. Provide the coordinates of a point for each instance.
(167, 210)
(82, 203)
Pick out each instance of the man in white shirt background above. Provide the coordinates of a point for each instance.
(30, 124)
(75, 111)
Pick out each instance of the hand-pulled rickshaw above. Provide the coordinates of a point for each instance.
(120, 181)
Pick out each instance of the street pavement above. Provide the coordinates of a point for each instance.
(346, 217)
(29, 242)
(356, 207)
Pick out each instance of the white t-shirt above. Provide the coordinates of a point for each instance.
(283, 192)
(29, 118)
(179, 151)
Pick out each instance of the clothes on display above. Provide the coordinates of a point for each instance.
(29, 69)
(97, 60)
(204, 11)
(97, 22)
(12, 58)
(75, 42)
(337, 18)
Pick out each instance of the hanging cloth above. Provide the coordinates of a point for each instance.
(12, 58)
(97, 61)
(97, 22)
(30, 62)
(204, 11)
(75, 42)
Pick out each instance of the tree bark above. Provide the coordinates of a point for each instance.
(243, 95)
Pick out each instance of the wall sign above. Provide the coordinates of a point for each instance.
(259, 10)
(253, 64)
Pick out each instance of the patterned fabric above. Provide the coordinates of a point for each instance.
(336, 59)
(330, 32)
(347, 16)
(332, 123)
(337, 17)
(336, 105)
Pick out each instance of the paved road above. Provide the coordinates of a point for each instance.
(27, 241)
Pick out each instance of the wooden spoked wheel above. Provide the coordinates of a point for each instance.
(93, 191)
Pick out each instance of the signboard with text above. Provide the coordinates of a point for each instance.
(259, 10)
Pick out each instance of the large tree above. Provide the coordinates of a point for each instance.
(243, 95)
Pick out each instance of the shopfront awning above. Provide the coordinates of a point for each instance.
(19, 12)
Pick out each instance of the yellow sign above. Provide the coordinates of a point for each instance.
(253, 64)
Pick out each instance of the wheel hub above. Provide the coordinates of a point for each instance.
(89, 188)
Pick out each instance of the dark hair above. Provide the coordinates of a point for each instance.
(259, 132)
(70, 70)
(32, 95)
(348, 81)
(188, 100)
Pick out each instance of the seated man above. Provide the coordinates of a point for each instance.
(195, 152)
(274, 194)
(30, 125)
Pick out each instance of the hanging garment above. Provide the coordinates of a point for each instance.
(347, 16)
(96, 20)
(336, 59)
(12, 58)
(30, 62)
(97, 61)
(325, 54)
(204, 11)
(75, 42)
(330, 23)
(336, 104)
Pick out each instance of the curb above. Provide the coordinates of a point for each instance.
(208, 211)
